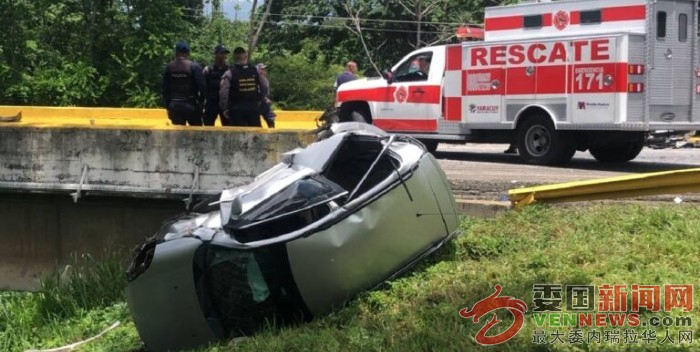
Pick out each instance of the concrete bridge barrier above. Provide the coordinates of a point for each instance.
(140, 162)
(127, 169)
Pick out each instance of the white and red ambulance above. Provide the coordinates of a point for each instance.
(553, 77)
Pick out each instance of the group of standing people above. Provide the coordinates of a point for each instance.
(238, 94)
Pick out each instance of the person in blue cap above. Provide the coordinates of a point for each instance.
(212, 75)
(183, 88)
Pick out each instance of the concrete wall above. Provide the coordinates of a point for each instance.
(143, 162)
(136, 178)
(40, 233)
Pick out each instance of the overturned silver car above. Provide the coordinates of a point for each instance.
(333, 219)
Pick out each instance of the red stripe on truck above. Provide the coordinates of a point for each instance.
(624, 13)
(413, 94)
(608, 14)
(453, 109)
(582, 78)
(454, 58)
(371, 94)
(406, 125)
(503, 23)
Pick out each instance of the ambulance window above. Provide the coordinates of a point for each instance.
(661, 24)
(532, 21)
(682, 27)
(591, 17)
(417, 68)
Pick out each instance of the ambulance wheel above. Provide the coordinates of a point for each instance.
(358, 116)
(540, 143)
(430, 145)
(354, 115)
(617, 153)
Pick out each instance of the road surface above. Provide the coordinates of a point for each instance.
(482, 171)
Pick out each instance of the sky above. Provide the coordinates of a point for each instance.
(230, 9)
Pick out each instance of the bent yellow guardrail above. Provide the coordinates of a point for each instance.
(45, 116)
(668, 182)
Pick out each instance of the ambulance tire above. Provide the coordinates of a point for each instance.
(617, 153)
(430, 145)
(358, 116)
(354, 115)
(541, 144)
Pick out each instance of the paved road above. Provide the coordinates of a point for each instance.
(483, 171)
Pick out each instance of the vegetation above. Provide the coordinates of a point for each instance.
(111, 53)
(596, 244)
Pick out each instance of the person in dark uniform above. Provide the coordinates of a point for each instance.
(265, 106)
(212, 75)
(240, 94)
(183, 88)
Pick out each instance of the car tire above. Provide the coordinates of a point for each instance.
(541, 144)
(617, 153)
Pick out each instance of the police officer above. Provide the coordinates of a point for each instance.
(240, 94)
(212, 75)
(265, 106)
(183, 88)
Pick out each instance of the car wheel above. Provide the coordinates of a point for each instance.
(540, 143)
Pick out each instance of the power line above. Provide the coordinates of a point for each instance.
(361, 28)
(369, 29)
(370, 19)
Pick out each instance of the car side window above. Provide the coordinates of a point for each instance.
(415, 69)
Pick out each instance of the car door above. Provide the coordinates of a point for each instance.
(415, 96)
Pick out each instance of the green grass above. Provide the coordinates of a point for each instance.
(594, 244)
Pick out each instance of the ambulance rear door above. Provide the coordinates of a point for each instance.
(671, 85)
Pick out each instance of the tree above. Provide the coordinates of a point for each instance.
(256, 23)
(112, 52)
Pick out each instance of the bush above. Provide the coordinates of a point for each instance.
(303, 80)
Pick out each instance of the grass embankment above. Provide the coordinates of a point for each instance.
(591, 245)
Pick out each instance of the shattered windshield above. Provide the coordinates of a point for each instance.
(296, 206)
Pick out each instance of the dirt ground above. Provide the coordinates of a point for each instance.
(483, 171)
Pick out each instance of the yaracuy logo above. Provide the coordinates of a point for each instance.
(490, 304)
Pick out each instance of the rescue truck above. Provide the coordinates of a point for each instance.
(552, 77)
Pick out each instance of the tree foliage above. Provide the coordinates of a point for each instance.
(112, 52)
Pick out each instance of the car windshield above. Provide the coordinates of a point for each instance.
(300, 195)
(356, 167)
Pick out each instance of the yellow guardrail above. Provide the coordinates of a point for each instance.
(44, 116)
(668, 182)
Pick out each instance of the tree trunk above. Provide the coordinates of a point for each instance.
(251, 26)
(253, 41)
(419, 15)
